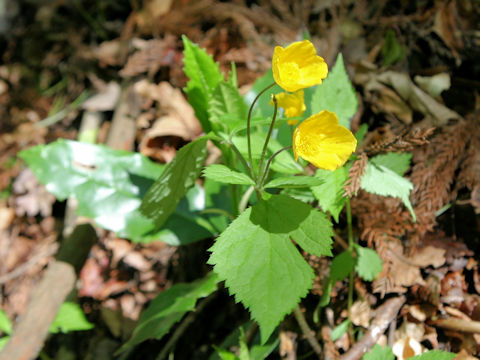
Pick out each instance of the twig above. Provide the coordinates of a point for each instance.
(456, 324)
(184, 325)
(307, 331)
(385, 315)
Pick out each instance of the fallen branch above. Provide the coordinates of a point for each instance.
(456, 324)
(30, 332)
(385, 315)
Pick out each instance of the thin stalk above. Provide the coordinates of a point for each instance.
(352, 272)
(242, 159)
(244, 201)
(302, 322)
(219, 212)
(269, 134)
(249, 118)
(267, 168)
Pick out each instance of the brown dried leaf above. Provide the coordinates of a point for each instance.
(352, 185)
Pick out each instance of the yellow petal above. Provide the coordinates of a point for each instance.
(298, 66)
(293, 104)
(323, 142)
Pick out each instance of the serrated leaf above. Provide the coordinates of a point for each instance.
(336, 94)
(260, 264)
(172, 185)
(342, 265)
(108, 185)
(435, 355)
(339, 330)
(379, 353)
(227, 109)
(330, 193)
(168, 308)
(204, 75)
(397, 162)
(224, 174)
(5, 323)
(294, 182)
(70, 317)
(369, 264)
(381, 180)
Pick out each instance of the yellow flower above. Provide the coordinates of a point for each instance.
(323, 142)
(298, 66)
(293, 104)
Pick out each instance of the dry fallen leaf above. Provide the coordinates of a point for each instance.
(360, 313)
(105, 99)
(428, 255)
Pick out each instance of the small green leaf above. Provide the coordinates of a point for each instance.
(225, 354)
(369, 264)
(70, 317)
(3, 341)
(330, 193)
(260, 264)
(379, 353)
(294, 182)
(361, 132)
(5, 323)
(397, 162)
(336, 94)
(340, 330)
(342, 265)
(179, 175)
(392, 50)
(381, 180)
(224, 174)
(168, 308)
(227, 108)
(204, 75)
(435, 355)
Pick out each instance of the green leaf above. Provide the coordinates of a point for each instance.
(342, 265)
(330, 193)
(369, 264)
(361, 132)
(227, 109)
(3, 341)
(108, 186)
(70, 317)
(397, 162)
(336, 94)
(225, 354)
(260, 264)
(294, 182)
(303, 194)
(204, 75)
(5, 323)
(379, 353)
(179, 175)
(339, 330)
(168, 308)
(224, 174)
(435, 355)
(392, 50)
(381, 180)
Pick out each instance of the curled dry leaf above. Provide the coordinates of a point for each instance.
(172, 130)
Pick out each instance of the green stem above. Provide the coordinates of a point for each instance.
(302, 322)
(244, 201)
(242, 159)
(351, 280)
(267, 168)
(269, 134)
(219, 212)
(249, 118)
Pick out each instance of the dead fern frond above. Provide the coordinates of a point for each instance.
(406, 141)
(352, 185)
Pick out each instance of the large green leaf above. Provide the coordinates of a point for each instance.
(260, 264)
(336, 94)
(227, 109)
(397, 162)
(381, 180)
(330, 193)
(108, 186)
(168, 308)
(435, 355)
(172, 185)
(224, 174)
(204, 75)
(342, 265)
(70, 317)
